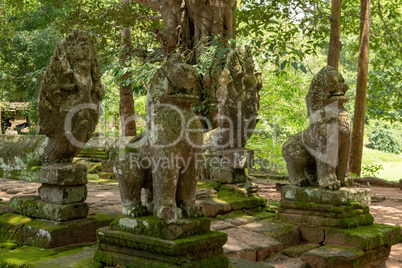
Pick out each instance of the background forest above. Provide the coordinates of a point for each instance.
(289, 39)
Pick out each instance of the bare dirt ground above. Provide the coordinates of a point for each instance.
(104, 197)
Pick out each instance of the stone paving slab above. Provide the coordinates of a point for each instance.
(334, 257)
(69, 261)
(239, 249)
(103, 196)
(242, 263)
(263, 245)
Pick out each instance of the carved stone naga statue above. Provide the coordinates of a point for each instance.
(70, 98)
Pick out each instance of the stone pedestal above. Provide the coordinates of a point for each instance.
(50, 234)
(149, 242)
(339, 220)
(228, 166)
(61, 196)
(309, 206)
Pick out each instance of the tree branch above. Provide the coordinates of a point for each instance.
(154, 4)
(387, 29)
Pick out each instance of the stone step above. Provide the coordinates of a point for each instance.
(336, 257)
(250, 245)
(364, 237)
(285, 233)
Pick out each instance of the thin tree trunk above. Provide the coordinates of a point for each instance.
(335, 44)
(126, 108)
(1, 121)
(361, 89)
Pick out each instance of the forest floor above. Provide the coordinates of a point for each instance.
(104, 197)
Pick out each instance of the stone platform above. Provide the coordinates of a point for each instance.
(140, 245)
(50, 234)
(309, 206)
(61, 196)
(341, 222)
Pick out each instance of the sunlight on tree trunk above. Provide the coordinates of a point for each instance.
(361, 89)
(126, 108)
(335, 44)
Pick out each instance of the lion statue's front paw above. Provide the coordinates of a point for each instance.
(332, 184)
(300, 181)
(169, 214)
(137, 210)
(192, 210)
(347, 182)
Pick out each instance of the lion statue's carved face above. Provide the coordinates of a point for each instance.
(327, 86)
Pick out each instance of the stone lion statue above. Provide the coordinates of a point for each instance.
(70, 98)
(163, 160)
(321, 152)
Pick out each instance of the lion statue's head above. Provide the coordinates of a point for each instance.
(327, 86)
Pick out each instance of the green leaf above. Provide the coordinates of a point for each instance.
(294, 65)
(303, 68)
(283, 64)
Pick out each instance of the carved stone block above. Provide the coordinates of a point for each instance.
(63, 194)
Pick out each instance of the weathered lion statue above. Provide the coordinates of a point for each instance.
(163, 159)
(321, 152)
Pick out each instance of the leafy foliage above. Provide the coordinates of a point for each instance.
(282, 114)
(371, 170)
(385, 137)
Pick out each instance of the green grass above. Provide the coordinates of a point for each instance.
(391, 163)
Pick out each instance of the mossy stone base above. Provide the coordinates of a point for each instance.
(364, 237)
(152, 226)
(320, 195)
(313, 206)
(238, 199)
(306, 220)
(132, 250)
(63, 194)
(62, 174)
(48, 234)
(33, 206)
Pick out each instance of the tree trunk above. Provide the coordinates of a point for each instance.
(127, 112)
(335, 44)
(189, 26)
(361, 89)
(1, 121)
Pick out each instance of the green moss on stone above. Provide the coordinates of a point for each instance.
(367, 237)
(208, 185)
(20, 257)
(33, 163)
(238, 200)
(92, 177)
(25, 255)
(95, 169)
(9, 245)
(91, 263)
(297, 251)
